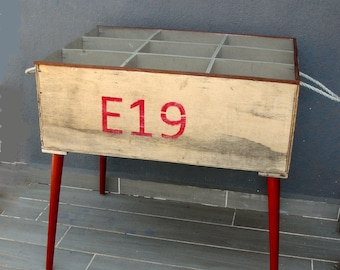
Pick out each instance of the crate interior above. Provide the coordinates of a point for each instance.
(183, 51)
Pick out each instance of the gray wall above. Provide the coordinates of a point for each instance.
(30, 30)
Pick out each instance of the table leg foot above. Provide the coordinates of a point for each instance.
(274, 220)
(56, 174)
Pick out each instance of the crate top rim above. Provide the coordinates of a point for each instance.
(199, 74)
(98, 28)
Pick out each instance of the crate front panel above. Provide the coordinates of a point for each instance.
(198, 120)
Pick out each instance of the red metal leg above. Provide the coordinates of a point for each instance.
(274, 220)
(56, 173)
(102, 174)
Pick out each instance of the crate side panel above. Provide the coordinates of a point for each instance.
(219, 122)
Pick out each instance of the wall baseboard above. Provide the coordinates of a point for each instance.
(225, 198)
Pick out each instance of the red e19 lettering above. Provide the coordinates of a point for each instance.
(140, 104)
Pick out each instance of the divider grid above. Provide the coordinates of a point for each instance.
(213, 57)
(139, 48)
(216, 54)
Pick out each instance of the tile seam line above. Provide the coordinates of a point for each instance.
(63, 236)
(234, 217)
(96, 254)
(308, 258)
(310, 236)
(170, 240)
(230, 226)
(150, 215)
(261, 210)
(17, 218)
(299, 200)
(33, 199)
(10, 267)
(200, 244)
(181, 219)
(91, 261)
(76, 188)
(203, 222)
(184, 242)
(119, 232)
(206, 245)
(22, 242)
(42, 212)
(320, 218)
(165, 239)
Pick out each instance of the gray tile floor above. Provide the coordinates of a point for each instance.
(126, 232)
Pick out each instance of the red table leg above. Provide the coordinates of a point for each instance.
(102, 174)
(56, 173)
(274, 220)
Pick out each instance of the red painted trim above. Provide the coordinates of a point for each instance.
(274, 220)
(102, 174)
(56, 174)
(296, 61)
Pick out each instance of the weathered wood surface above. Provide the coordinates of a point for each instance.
(225, 122)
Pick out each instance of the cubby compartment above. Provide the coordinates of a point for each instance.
(253, 69)
(93, 57)
(189, 37)
(175, 48)
(256, 54)
(273, 43)
(218, 54)
(111, 44)
(125, 33)
(171, 63)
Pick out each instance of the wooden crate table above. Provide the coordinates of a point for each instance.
(207, 99)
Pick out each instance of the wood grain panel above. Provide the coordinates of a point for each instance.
(229, 123)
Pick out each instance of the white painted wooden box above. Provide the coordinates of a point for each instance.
(207, 99)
